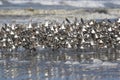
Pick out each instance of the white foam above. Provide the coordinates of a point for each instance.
(76, 3)
(109, 64)
(72, 63)
(97, 61)
(68, 62)
(18, 1)
(118, 59)
(43, 2)
(84, 3)
(1, 3)
(96, 64)
(75, 63)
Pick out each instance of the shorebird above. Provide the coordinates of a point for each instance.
(60, 35)
(82, 21)
(67, 20)
(118, 20)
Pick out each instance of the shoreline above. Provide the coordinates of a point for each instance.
(41, 15)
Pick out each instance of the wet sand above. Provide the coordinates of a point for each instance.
(24, 15)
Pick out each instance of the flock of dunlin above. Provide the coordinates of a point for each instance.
(77, 34)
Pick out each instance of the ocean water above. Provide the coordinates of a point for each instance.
(59, 4)
(56, 5)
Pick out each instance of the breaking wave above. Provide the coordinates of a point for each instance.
(72, 3)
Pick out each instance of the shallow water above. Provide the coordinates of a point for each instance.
(48, 67)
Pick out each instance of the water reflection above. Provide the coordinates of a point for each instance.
(52, 67)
